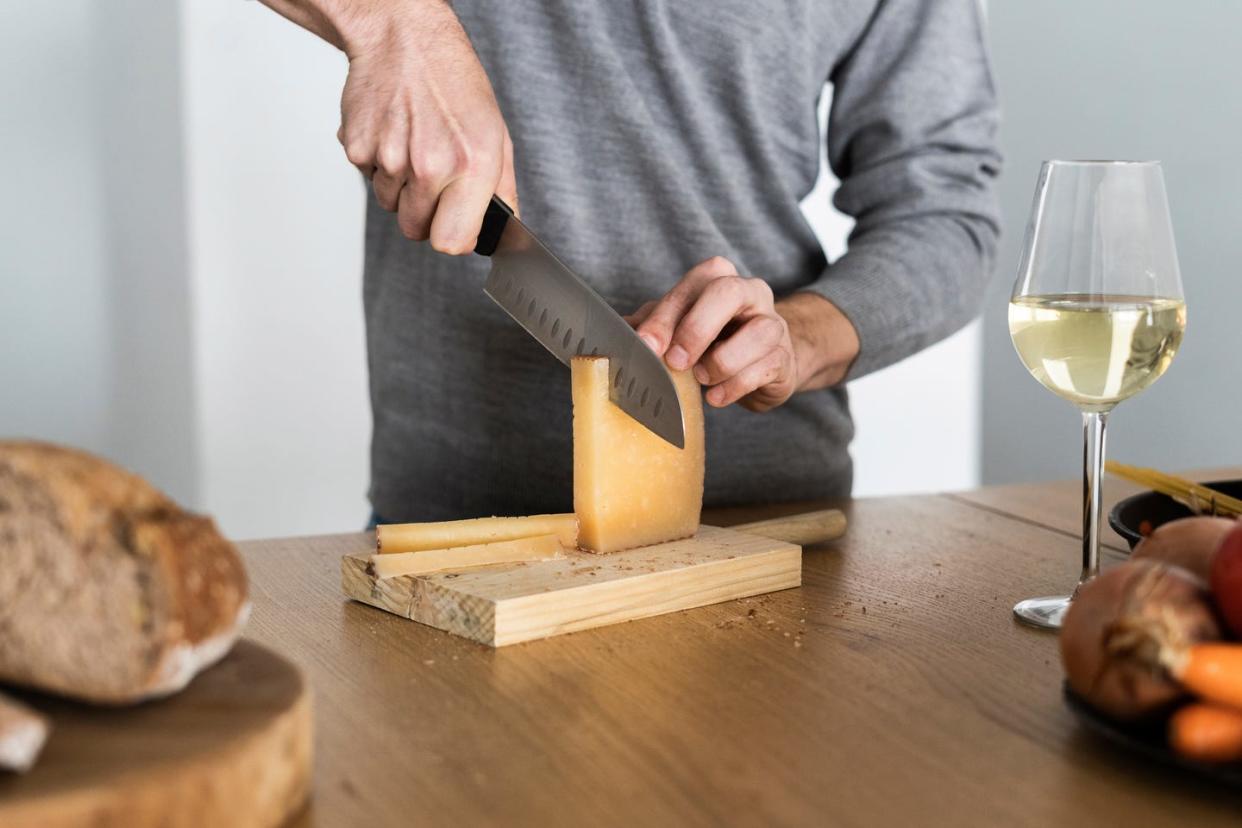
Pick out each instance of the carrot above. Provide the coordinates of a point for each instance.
(1211, 671)
(1207, 733)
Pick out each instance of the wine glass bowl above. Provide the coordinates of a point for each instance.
(1097, 312)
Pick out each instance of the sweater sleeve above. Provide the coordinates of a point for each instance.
(912, 138)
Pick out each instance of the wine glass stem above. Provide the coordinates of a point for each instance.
(1093, 424)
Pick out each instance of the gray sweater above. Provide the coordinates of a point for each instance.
(652, 134)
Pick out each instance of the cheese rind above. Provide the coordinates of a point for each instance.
(417, 537)
(631, 487)
(425, 562)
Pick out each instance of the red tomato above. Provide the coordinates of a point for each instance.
(1227, 579)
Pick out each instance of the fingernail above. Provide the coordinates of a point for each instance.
(677, 358)
(651, 343)
(700, 374)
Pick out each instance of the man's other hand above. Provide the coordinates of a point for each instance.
(744, 345)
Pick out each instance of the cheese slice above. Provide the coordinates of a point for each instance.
(541, 548)
(415, 537)
(632, 488)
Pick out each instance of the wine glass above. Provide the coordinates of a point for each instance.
(1097, 312)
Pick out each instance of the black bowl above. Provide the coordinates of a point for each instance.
(1155, 508)
(1148, 739)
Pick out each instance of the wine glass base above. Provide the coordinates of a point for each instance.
(1045, 613)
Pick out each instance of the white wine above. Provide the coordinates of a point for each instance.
(1096, 350)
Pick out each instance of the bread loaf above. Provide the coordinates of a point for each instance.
(109, 592)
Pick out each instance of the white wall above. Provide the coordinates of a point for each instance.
(55, 359)
(917, 421)
(275, 218)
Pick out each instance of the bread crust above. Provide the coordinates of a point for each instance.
(109, 591)
(22, 734)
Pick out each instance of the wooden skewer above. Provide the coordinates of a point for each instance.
(1196, 497)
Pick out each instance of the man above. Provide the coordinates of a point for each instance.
(648, 140)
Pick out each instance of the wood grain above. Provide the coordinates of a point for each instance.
(1058, 505)
(891, 688)
(510, 603)
(232, 749)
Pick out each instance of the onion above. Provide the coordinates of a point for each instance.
(1120, 630)
(1187, 542)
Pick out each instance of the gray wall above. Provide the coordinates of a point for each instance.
(95, 346)
(1125, 79)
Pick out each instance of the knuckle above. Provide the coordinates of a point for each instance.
(762, 289)
(717, 367)
(358, 152)
(427, 166)
(385, 198)
(653, 328)
(773, 328)
(412, 227)
(391, 161)
(692, 334)
(479, 154)
(719, 266)
(726, 288)
(464, 159)
(773, 369)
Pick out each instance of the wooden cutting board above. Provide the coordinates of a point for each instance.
(232, 749)
(509, 603)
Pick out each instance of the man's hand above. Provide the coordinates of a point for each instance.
(418, 115)
(745, 345)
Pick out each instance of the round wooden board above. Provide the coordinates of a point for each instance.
(234, 748)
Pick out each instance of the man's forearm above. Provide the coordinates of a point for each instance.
(319, 17)
(824, 340)
(346, 24)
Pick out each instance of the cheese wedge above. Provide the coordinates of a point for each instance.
(415, 537)
(541, 548)
(631, 488)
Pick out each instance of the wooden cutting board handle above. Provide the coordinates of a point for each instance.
(805, 529)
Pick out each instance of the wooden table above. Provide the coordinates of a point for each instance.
(892, 688)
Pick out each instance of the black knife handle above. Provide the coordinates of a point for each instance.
(494, 221)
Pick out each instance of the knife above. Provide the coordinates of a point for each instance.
(570, 319)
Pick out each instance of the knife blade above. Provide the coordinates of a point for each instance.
(569, 318)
